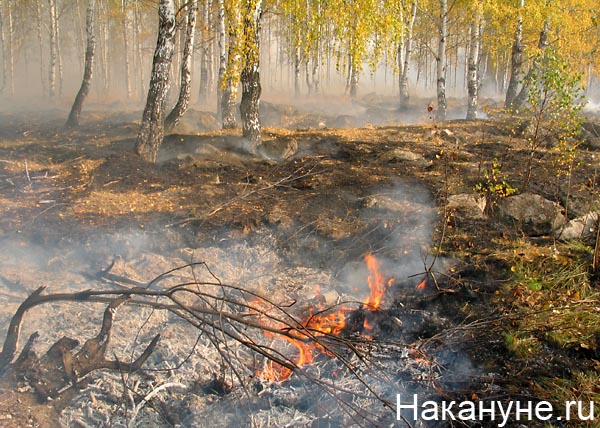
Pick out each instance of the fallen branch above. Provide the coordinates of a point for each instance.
(222, 313)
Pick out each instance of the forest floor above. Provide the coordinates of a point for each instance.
(524, 309)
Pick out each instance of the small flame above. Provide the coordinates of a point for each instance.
(421, 285)
(377, 283)
(324, 323)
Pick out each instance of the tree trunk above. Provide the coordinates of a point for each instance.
(250, 75)
(315, 73)
(73, 120)
(473, 65)
(53, 49)
(210, 60)
(222, 56)
(297, 71)
(516, 65)
(40, 46)
(186, 69)
(203, 89)
(105, 66)
(441, 62)
(152, 128)
(59, 57)
(139, 48)
(2, 49)
(353, 79)
(403, 83)
(125, 34)
(81, 38)
(543, 43)
(232, 76)
(10, 49)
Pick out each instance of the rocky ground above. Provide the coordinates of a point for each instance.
(509, 274)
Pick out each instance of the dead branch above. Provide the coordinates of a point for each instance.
(221, 312)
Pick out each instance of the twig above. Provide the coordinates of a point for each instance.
(27, 172)
(149, 396)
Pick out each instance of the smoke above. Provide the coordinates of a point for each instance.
(592, 106)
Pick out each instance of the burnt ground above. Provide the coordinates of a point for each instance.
(73, 200)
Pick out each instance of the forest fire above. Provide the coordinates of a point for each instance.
(322, 323)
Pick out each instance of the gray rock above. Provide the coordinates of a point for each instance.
(278, 149)
(580, 227)
(397, 155)
(194, 122)
(535, 215)
(468, 205)
(385, 203)
(344, 121)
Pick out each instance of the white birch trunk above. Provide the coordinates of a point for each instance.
(2, 49)
(139, 48)
(59, 58)
(441, 62)
(473, 65)
(10, 49)
(222, 56)
(542, 45)
(73, 120)
(185, 89)
(40, 46)
(53, 50)
(403, 83)
(152, 127)
(125, 34)
(230, 91)
(297, 71)
(516, 65)
(250, 75)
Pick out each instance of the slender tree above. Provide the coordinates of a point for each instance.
(152, 128)
(250, 75)
(73, 120)
(2, 48)
(53, 49)
(185, 89)
(404, 52)
(231, 77)
(441, 61)
(125, 34)
(542, 45)
(473, 63)
(10, 48)
(222, 56)
(40, 41)
(516, 63)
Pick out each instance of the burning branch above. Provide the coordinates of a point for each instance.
(224, 314)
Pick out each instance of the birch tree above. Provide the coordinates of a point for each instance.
(473, 62)
(2, 48)
(124, 25)
(516, 63)
(152, 129)
(250, 74)
(222, 56)
(73, 120)
(10, 54)
(53, 49)
(185, 89)
(405, 50)
(521, 97)
(441, 61)
(231, 77)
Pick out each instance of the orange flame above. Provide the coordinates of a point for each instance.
(421, 285)
(377, 283)
(321, 324)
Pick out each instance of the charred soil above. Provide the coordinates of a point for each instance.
(320, 199)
